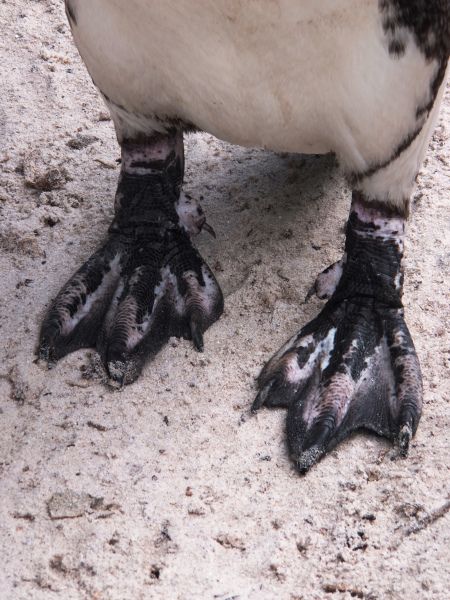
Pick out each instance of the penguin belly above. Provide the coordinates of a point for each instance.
(306, 76)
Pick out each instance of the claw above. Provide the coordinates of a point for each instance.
(308, 458)
(191, 215)
(207, 227)
(196, 334)
(404, 438)
(261, 397)
(116, 373)
(310, 294)
(43, 352)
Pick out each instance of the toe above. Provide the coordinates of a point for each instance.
(327, 281)
(157, 303)
(137, 325)
(290, 372)
(308, 458)
(195, 325)
(316, 415)
(404, 438)
(408, 398)
(75, 317)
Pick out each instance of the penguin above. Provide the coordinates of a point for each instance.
(361, 79)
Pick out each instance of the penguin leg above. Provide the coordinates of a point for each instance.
(354, 366)
(146, 282)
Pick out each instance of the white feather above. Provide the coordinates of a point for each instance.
(300, 76)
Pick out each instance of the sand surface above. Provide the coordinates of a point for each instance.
(170, 489)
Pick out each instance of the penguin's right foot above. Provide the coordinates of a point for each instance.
(147, 282)
(140, 288)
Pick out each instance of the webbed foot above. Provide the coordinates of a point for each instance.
(147, 282)
(355, 365)
(129, 298)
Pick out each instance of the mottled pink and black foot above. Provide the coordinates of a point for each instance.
(355, 365)
(147, 282)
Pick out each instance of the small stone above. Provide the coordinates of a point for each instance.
(68, 505)
(41, 172)
(230, 541)
(81, 141)
(104, 116)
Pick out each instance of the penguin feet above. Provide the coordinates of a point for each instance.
(144, 285)
(354, 366)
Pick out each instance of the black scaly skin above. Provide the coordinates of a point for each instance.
(355, 365)
(147, 282)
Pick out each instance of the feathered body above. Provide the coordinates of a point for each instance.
(299, 76)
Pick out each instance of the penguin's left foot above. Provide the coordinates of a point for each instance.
(354, 366)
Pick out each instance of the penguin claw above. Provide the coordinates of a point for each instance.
(404, 439)
(196, 334)
(308, 458)
(310, 294)
(116, 371)
(207, 227)
(261, 398)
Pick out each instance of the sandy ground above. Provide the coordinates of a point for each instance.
(170, 489)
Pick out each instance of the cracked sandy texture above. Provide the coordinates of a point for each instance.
(183, 495)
